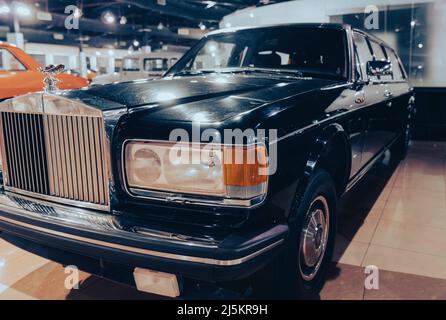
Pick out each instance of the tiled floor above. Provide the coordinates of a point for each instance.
(400, 230)
(394, 220)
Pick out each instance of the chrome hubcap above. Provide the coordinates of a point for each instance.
(314, 238)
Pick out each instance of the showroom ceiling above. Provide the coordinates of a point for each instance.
(119, 23)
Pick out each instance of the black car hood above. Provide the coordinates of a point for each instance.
(210, 98)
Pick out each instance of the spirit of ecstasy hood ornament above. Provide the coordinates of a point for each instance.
(50, 72)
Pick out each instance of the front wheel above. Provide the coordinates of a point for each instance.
(299, 272)
(314, 238)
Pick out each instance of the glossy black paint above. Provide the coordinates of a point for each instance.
(357, 116)
(341, 125)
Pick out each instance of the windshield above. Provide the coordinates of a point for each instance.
(309, 51)
(131, 64)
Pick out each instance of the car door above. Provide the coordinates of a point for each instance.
(378, 132)
(366, 93)
(383, 123)
(356, 123)
(400, 91)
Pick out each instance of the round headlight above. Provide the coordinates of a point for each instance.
(147, 165)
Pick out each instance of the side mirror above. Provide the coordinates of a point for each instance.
(379, 68)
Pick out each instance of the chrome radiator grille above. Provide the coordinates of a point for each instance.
(59, 156)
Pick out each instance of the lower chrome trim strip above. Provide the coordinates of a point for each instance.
(358, 177)
(178, 198)
(207, 261)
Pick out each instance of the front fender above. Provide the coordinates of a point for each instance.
(332, 141)
(327, 140)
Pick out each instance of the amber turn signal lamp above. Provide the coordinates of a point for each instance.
(245, 166)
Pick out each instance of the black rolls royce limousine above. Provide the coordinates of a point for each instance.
(94, 171)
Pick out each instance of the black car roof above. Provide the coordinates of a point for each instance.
(338, 26)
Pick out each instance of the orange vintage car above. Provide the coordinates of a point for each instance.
(19, 74)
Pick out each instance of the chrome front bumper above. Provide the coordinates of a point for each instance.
(100, 235)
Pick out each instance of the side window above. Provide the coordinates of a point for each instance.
(378, 52)
(363, 52)
(155, 65)
(359, 73)
(131, 64)
(172, 61)
(380, 55)
(396, 66)
(9, 63)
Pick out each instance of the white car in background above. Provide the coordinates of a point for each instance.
(141, 65)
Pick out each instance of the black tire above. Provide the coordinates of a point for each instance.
(285, 279)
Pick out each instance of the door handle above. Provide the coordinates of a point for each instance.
(359, 98)
(388, 94)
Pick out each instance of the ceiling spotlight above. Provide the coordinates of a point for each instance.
(135, 43)
(123, 20)
(77, 13)
(202, 26)
(109, 17)
(22, 10)
(4, 9)
(160, 26)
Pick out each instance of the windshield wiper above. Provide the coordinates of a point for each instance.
(194, 72)
(188, 73)
(301, 74)
(294, 73)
